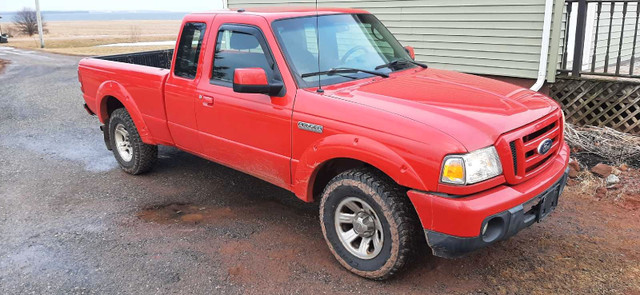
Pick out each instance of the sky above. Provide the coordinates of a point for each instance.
(101, 5)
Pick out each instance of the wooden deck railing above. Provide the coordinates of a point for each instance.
(600, 38)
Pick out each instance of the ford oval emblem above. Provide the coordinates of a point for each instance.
(545, 146)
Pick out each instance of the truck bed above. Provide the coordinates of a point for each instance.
(137, 79)
(157, 58)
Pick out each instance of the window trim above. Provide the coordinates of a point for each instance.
(259, 35)
(200, 51)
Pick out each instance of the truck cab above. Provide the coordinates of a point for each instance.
(329, 105)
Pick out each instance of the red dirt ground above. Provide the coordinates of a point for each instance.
(588, 245)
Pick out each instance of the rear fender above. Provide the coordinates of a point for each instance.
(114, 89)
(354, 147)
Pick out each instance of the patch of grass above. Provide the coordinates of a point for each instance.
(588, 182)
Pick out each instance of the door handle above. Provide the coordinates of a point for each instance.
(206, 100)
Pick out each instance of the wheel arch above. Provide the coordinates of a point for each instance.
(112, 95)
(335, 154)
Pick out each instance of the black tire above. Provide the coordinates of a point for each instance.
(143, 156)
(393, 210)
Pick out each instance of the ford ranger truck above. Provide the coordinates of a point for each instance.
(328, 105)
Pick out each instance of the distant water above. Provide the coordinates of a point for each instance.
(86, 15)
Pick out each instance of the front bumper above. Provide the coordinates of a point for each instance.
(454, 226)
(508, 223)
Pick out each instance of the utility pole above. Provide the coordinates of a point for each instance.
(39, 17)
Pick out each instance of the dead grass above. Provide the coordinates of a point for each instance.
(82, 37)
(588, 182)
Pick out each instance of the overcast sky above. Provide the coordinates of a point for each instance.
(169, 5)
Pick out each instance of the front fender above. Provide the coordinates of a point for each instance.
(114, 89)
(354, 147)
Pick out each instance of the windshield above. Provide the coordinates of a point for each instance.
(354, 41)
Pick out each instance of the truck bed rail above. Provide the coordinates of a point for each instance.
(156, 58)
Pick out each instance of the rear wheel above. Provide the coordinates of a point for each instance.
(368, 223)
(133, 155)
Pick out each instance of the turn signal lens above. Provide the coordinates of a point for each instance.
(471, 168)
(453, 171)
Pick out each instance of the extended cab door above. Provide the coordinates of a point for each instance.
(180, 88)
(249, 132)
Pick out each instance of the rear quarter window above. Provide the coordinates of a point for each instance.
(189, 50)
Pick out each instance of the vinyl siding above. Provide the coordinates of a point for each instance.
(475, 36)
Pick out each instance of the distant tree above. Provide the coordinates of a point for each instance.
(26, 21)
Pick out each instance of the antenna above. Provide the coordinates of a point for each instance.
(320, 90)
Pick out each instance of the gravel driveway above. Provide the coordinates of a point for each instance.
(71, 222)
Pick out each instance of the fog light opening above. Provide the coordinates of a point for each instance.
(492, 230)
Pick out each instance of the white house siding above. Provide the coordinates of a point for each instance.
(491, 37)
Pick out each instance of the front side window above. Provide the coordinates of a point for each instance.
(241, 47)
(346, 41)
(189, 50)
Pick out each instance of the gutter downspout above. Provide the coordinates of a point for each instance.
(544, 50)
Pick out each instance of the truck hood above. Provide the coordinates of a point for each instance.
(474, 110)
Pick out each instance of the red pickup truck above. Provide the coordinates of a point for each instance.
(327, 104)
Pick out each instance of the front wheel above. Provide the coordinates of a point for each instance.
(133, 155)
(368, 223)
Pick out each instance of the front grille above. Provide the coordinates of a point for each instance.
(514, 155)
(528, 145)
(537, 164)
(538, 133)
(523, 147)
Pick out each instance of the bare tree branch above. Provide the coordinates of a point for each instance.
(614, 146)
(26, 21)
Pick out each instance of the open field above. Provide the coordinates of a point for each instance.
(82, 37)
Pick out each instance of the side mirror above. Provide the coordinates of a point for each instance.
(410, 51)
(254, 80)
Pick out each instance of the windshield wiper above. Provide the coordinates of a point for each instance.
(401, 61)
(335, 71)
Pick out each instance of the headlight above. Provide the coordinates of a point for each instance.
(472, 167)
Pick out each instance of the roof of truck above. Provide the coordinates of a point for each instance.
(273, 13)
